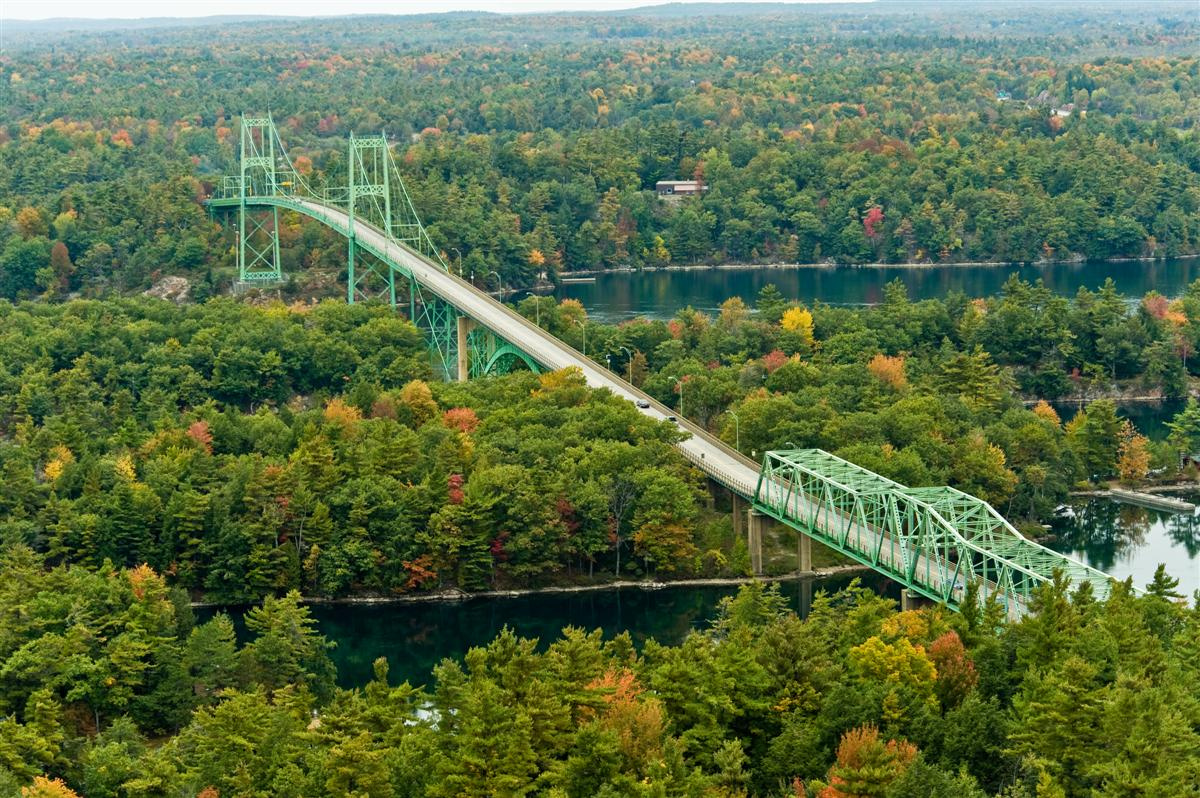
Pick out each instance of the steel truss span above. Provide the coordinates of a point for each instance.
(934, 541)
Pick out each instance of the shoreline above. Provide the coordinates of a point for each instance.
(830, 266)
(456, 595)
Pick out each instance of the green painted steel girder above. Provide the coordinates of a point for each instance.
(934, 541)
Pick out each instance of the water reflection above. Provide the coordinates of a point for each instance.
(1125, 540)
(1149, 418)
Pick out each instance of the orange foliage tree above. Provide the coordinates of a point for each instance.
(889, 370)
(866, 766)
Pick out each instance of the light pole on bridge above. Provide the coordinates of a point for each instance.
(630, 354)
(582, 326)
(679, 382)
(499, 280)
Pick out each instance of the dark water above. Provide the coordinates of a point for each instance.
(1125, 540)
(416, 636)
(660, 294)
(1149, 418)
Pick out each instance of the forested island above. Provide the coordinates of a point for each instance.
(259, 449)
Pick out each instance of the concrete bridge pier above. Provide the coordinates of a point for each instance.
(912, 600)
(804, 562)
(756, 524)
(465, 325)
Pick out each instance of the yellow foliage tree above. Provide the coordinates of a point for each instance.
(572, 311)
(567, 386)
(1047, 413)
(30, 222)
(798, 320)
(733, 312)
(417, 397)
(125, 468)
(1133, 460)
(61, 457)
(43, 787)
(340, 414)
(898, 664)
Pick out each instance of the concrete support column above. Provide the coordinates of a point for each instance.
(912, 600)
(739, 517)
(756, 522)
(803, 552)
(465, 325)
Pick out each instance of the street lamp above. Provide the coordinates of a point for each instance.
(459, 254)
(630, 363)
(499, 280)
(737, 431)
(583, 326)
(679, 382)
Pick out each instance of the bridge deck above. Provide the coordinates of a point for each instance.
(720, 462)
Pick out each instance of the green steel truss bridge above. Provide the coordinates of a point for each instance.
(933, 541)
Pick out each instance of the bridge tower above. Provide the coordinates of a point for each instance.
(261, 175)
(373, 196)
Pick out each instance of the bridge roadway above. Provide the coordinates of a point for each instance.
(721, 463)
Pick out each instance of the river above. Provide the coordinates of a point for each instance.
(615, 296)
(415, 636)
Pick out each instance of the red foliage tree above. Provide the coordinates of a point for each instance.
(956, 674)
(455, 492)
(774, 359)
(870, 222)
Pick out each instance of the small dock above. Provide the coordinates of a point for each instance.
(1153, 501)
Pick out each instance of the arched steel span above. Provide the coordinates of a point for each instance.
(934, 541)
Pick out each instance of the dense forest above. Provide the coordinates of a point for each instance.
(109, 689)
(263, 450)
(244, 451)
(900, 134)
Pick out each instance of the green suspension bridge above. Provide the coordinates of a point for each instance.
(933, 541)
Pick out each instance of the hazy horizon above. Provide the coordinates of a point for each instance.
(27, 11)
